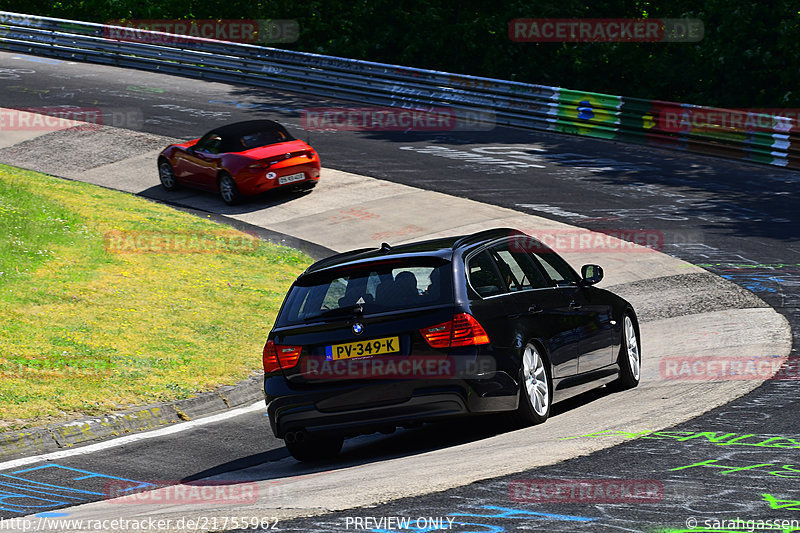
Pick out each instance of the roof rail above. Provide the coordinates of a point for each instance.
(322, 263)
(486, 234)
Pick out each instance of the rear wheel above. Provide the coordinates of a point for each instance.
(535, 391)
(228, 189)
(167, 175)
(305, 447)
(629, 358)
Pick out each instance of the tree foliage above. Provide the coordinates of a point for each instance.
(747, 58)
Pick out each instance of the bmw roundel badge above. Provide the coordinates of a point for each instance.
(358, 328)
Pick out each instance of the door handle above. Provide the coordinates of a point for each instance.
(574, 306)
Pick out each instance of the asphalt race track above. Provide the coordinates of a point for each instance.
(737, 220)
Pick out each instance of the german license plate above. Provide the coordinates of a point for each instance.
(283, 180)
(362, 348)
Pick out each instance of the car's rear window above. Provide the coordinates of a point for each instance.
(375, 287)
(264, 138)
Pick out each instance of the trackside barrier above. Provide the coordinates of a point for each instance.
(735, 134)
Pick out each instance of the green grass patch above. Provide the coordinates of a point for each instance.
(108, 300)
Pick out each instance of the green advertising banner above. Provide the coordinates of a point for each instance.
(585, 113)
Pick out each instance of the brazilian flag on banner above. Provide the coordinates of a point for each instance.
(592, 114)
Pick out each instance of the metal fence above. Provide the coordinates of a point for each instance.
(735, 134)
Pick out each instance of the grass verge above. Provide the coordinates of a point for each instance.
(109, 300)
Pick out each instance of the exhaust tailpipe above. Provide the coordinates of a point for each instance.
(292, 437)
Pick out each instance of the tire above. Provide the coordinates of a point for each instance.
(167, 175)
(228, 189)
(629, 358)
(535, 387)
(311, 448)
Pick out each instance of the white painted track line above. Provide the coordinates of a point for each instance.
(113, 443)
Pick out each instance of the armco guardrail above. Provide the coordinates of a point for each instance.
(736, 134)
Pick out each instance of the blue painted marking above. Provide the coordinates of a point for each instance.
(754, 282)
(511, 513)
(51, 514)
(505, 512)
(7, 505)
(141, 484)
(20, 495)
(39, 485)
(39, 60)
(27, 488)
(585, 111)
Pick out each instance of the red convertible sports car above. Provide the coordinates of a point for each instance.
(240, 159)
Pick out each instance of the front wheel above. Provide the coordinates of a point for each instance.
(535, 391)
(629, 359)
(167, 175)
(228, 190)
(307, 447)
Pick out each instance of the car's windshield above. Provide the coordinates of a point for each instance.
(247, 139)
(373, 288)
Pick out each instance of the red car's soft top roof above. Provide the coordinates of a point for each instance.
(232, 134)
(237, 129)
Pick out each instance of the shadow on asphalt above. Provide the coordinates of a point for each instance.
(209, 201)
(375, 448)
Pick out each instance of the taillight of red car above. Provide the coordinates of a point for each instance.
(278, 356)
(462, 330)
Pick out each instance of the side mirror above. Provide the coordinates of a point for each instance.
(591, 274)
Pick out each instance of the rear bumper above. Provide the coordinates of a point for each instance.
(353, 409)
(255, 184)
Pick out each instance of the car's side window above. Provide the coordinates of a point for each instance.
(557, 269)
(210, 143)
(483, 275)
(518, 269)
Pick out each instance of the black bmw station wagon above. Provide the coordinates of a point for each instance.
(373, 339)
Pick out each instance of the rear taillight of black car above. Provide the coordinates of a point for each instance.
(462, 330)
(277, 356)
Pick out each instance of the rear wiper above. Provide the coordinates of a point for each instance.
(355, 310)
